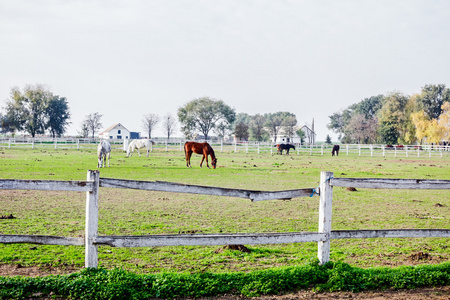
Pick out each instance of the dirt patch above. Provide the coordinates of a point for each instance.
(352, 189)
(241, 248)
(34, 271)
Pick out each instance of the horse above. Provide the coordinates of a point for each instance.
(335, 150)
(199, 148)
(103, 152)
(137, 144)
(286, 147)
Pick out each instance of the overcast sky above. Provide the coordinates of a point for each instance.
(125, 59)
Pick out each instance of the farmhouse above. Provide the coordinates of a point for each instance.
(118, 132)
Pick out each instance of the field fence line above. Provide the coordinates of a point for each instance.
(176, 144)
(323, 236)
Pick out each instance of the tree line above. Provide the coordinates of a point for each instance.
(397, 118)
(36, 110)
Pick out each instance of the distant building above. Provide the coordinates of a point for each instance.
(116, 132)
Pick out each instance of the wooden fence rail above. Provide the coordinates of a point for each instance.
(92, 240)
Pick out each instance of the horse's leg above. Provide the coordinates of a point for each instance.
(206, 156)
(108, 158)
(201, 163)
(188, 159)
(137, 149)
(148, 150)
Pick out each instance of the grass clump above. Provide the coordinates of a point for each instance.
(121, 284)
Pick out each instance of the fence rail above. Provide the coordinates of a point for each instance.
(323, 236)
(234, 147)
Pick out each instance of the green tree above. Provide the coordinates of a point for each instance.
(431, 99)
(328, 139)
(58, 115)
(204, 114)
(392, 116)
(36, 109)
(241, 131)
(257, 127)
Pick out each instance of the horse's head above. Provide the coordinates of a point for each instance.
(214, 162)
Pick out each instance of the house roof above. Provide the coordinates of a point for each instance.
(111, 128)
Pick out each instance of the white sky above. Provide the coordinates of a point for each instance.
(125, 59)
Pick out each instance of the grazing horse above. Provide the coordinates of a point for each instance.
(199, 148)
(103, 152)
(137, 144)
(286, 147)
(335, 150)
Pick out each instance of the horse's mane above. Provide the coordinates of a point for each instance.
(211, 150)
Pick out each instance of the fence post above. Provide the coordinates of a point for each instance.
(32, 143)
(78, 144)
(406, 149)
(371, 150)
(91, 252)
(56, 143)
(235, 146)
(384, 152)
(347, 149)
(221, 146)
(325, 211)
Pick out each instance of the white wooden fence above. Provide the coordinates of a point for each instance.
(323, 236)
(176, 144)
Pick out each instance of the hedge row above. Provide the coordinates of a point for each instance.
(120, 284)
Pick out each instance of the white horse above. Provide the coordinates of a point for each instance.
(103, 152)
(137, 144)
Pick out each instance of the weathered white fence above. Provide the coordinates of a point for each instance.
(323, 236)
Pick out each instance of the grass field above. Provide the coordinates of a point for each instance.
(131, 212)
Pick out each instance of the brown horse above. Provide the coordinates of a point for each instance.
(199, 148)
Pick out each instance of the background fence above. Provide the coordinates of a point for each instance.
(242, 147)
(323, 236)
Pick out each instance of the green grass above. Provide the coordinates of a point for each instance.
(120, 284)
(132, 212)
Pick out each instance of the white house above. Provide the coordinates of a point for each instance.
(115, 132)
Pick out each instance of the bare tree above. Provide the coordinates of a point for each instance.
(92, 123)
(169, 123)
(289, 125)
(149, 123)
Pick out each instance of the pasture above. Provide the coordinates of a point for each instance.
(131, 212)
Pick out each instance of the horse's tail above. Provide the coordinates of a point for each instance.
(185, 148)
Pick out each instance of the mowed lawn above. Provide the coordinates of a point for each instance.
(132, 212)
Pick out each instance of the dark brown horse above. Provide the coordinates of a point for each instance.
(335, 150)
(286, 147)
(199, 148)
